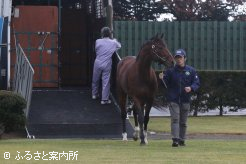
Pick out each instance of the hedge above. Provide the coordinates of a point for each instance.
(218, 89)
(11, 110)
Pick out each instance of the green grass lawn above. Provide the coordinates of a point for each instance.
(157, 151)
(117, 151)
(210, 124)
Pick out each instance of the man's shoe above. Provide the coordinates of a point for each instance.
(175, 142)
(181, 143)
(103, 102)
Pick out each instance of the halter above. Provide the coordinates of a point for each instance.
(156, 53)
(164, 60)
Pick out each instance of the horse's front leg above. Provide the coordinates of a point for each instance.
(146, 121)
(141, 123)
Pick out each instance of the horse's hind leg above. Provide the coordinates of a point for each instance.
(146, 116)
(122, 103)
(141, 121)
(136, 132)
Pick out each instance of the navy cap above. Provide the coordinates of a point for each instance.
(180, 52)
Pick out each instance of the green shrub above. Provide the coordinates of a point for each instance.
(11, 110)
(225, 89)
(218, 89)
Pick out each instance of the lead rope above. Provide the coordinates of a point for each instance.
(168, 103)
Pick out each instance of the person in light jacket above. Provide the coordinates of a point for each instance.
(104, 47)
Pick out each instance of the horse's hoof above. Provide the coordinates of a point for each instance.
(136, 134)
(124, 139)
(146, 141)
(124, 136)
(135, 138)
(142, 143)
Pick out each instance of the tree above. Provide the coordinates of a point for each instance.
(201, 10)
(240, 13)
(141, 10)
(182, 10)
(122, 10)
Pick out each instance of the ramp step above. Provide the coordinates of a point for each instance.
(75, 130)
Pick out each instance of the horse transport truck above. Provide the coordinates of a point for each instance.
(57, 39)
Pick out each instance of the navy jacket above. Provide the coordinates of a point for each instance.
(177, 79)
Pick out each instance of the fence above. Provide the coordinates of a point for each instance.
(209, 45)
(23, 77)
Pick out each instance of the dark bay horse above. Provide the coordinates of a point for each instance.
(137, 79)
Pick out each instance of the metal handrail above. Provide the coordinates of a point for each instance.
(23, 77)
(3, 45)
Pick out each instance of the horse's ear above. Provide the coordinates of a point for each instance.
(157, 35)
(162, 35)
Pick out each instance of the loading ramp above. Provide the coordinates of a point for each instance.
(71, 113)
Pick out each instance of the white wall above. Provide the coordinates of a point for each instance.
(5, 11)
(5, 8)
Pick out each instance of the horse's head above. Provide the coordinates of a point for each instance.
(160, 51)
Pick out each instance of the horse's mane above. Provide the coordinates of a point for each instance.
(148, 41)
(144, 44)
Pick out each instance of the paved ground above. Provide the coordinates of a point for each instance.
(155, 136)
(200, 136)
(227, 112)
